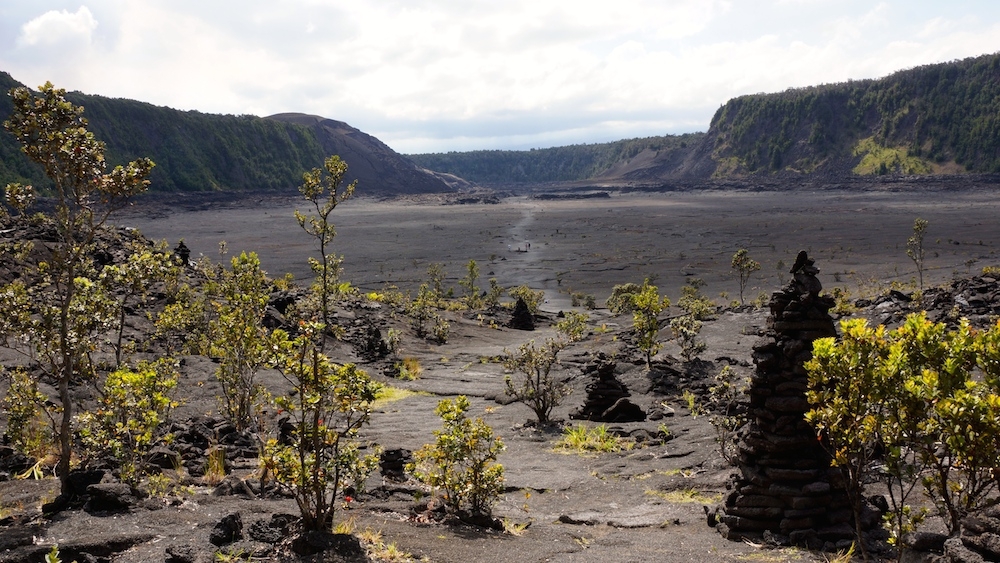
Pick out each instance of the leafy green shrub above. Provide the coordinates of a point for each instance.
(910, 394)
(744, 266)
(462, 461)
(646, 308)
(126, 424)
(238, 338)
(533, 299)
(693, 302)
(492, 299)
(537, 390)
(324, 189)
(30, 423)
(329, 405)
(686, 329)
(573, 325)
(724, 398)
(473, 300)
(620, 300)
(424, 317)
(58, 308)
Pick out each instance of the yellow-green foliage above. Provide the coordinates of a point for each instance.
(126, 424)
(582, 440)
(877, 160)
(573, 325)
(330, 404)
(683, 496)
(409, 369)
(538, 390)
(461, 463)
(533, 299)
(922, 389)
(992, 271)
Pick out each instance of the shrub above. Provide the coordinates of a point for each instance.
(726, 415)
(126, 424)
(686, 329)
(620, 300)
(537, 390)
(329, 405)
(533, 299)
(494, 294)
(573, 325)
(909, 396)
(646, 308)
(473, 300)
(30, 422)
(462, 461)
(693, 302)
(744, 266)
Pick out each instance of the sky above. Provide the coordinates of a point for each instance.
(457, 75)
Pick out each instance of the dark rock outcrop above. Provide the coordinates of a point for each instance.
(521, 318)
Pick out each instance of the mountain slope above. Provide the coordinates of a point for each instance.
(942, 118)
(384, 170)
(934, 118)
(619, 159)
(197, 152)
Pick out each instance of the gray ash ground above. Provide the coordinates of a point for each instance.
(645, 504)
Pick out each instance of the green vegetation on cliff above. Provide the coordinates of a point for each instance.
(557, 164)
(943, 117)
(193, 151)
(196, 152)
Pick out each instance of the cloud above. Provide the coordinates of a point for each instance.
(427, 75)
(58, 28)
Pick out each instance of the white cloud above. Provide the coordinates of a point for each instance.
(428, 75)
(58, 27)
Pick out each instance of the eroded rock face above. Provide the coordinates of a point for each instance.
(786, 488)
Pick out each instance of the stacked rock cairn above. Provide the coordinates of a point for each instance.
(607, 398)
(786, 492)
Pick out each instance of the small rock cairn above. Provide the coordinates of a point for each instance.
(607, 398)
(786, 492)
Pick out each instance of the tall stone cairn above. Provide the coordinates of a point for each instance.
(785, 491)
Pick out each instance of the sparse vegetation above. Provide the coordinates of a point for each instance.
(331, 403)
(646, 308)
(582, 440)
(573, 325)
(686, 329)
(533, 299)
(538, 390)
(461, 464)
(744, 266)
(909, 395)
(57, 306)
(915, 248)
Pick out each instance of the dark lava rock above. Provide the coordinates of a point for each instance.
(183, 554)
(111, 497)
(311, 543)
(623, 410)
(271, 531)
(228, 530)
(521, 318)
